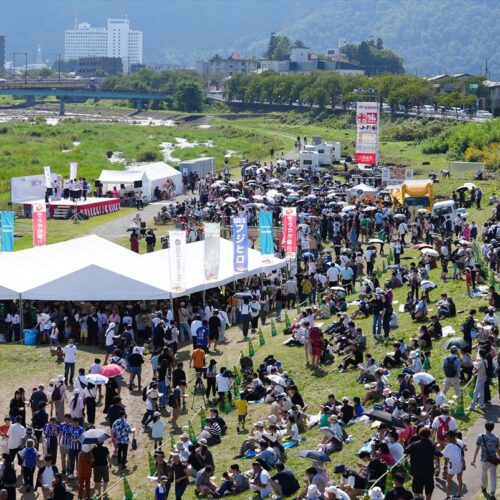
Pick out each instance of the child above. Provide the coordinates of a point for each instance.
(161, 491)
(242, 410)
(358, 407)
(293, 429)
(157, 430)
(59, 353)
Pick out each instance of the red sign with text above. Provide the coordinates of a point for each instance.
(39, 218)
(289, 222)
(366, 158)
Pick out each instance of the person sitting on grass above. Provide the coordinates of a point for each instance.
(377, 392)
(204, 484)
(234, 481)
(420, 312)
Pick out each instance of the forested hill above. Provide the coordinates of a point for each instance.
(433, 36)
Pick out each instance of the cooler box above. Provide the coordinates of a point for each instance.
(30, 337)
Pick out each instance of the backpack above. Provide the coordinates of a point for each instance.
(444, 427)
(449, 367)
(30, 458)
(56, 393)
(168, 334)
(145, 393)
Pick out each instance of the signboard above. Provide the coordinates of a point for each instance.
(28, 188)
(48, 177)
(73, 169)
(212, 249)
(367, 132)
(8, 219)
(240, 244)
(266, 242)
(396, 175)
(39, 220)
(289, 222)
(177, 253)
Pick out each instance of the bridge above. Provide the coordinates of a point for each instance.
(76, 91)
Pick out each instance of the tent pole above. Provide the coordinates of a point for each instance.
(203, 295)
(21, 317)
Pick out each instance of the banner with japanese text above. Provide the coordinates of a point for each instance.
(39, 220)
(266, 242)
(289, 222)
(7, 219)
(73, 170)
(367, 132)
(177, 253)
(212, 249)
(48, 177)
(240, 244)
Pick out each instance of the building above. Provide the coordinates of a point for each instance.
(492, 103)
(99, 66)
(2, 53)
(117, 40)
(235, 63)
(302, 62)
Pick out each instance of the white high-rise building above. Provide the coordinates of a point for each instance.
(118, 40)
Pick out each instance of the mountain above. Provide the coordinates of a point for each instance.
(433, 36)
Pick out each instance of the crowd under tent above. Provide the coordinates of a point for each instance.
(202, 166)
(156, 174)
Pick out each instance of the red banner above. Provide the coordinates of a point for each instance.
(39, 218)
(366, 158)
(289, 222)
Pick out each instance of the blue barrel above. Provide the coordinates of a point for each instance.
(30, 337)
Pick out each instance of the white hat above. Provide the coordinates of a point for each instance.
(112, 325)
(414, 354)
(312, 491)
(376, 494)
(379, 291)
(86, 448)
(390, 401)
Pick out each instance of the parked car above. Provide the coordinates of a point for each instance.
(428, 109)
(482, 114)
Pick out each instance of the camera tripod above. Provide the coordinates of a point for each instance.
(198, 390)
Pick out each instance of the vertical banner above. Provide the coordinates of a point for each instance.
(266, 241)
(289, 222)
(73, 169)
(212, 249)
(367, 132)
(7, 231)
(39, 218)
(48, 177)
(177, 253)
(240, 244)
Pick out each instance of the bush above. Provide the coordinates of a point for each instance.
(148, 156)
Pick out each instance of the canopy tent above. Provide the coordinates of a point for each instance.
(156, 175)
(92, 268)
(195, 280)
(118, 178)
(361, 189)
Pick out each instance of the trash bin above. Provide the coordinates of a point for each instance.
(30, 337)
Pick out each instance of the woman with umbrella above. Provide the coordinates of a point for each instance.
(89, 401)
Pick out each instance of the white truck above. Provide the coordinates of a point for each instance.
(329, 152)
(447, 209)
(309, 160)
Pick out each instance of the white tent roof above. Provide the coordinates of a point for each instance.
(156, 170)
(92, 268)
(121, 176)
(362, 187)
(195, 280)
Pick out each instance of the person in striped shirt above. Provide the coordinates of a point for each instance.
(75, 445)
(63, 430)
(50, 433)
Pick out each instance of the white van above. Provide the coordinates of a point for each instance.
(309, 160)
(329, 152)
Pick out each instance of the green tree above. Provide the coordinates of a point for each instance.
(271, 46)
(283, 48)
(299, 44)
(188, 97)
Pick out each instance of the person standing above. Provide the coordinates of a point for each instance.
(245, 316)
(84, 470)
(50, 433)
(29, 456)
(489, 445)
(75, 431)
(14, 436)
(195, 324)
(481, 372)
(69, 362)
(181, 477)
(102, 464)
(451, 368)
(121, 432)
(64, 431)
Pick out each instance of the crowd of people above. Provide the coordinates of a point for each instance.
(341, 240)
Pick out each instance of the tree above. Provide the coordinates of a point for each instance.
(215, 58)
(283, 48)
(188, 97)
(380, 44)
(273, 42)
(299, 44)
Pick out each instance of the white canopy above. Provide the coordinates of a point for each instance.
(156, 175)
(361, 188)
(92, 268)
(117, 177)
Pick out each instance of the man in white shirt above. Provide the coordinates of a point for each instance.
(14, 436)
(223, 384)
(260, 481)
(195, 324)
(490, 317)
(69, 362)
(402, 230)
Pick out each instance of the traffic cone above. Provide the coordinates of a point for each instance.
(172, 442)
(127, 492)
(426, 365)
(262, 340)
(237, 377)
(236, 391)
(192, 435)
(389, 482)
(227, 407)
(152, 465)
(287, 322)
(274, 332)
(203, 418)
(459, 409)
(251, 350)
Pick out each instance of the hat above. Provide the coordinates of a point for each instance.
(76, 391)
(258, 424)
(281, 395)
(163, 478)
(332, 489)
(390, 401)
(412, 401)
(53, 324)
(339, 468)
(86, 448)
(445, 407)
(137, 350)
(29, 430)
(60, 378)
(378, 291)
(414, 354)
(312, 491)
(285, 374)
(156, 414)
(345, 399)
(272, 418)
(203, 441)
(376, 494)
(256, 463)
(184, 436)
(112, 324)
(454, 348)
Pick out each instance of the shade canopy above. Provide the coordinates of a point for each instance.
(92, 268)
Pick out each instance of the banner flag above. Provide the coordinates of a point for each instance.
(73, 169)
(48, 177)
(266, 235)
(177, 253)
(289, 223)
(367, 132)
(240, 244)
(8, 219)
(212, 249)
(39, 219)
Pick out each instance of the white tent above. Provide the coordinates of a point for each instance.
(361, 189)
(156, 175)
(195, 280)
(112, 178)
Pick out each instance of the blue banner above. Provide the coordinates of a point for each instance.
(240, 244)
(266, 233)
(7, 219)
